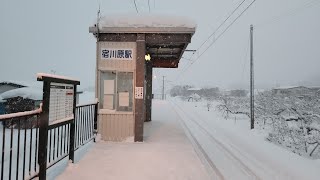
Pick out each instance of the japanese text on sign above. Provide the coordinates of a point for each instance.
(61, 101)
(120, 54)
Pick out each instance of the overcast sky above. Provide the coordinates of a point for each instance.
(52, 36)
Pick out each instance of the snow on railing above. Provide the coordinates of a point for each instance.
(88, 104)
(21, 114)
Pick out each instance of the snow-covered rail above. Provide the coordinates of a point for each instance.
(198, 133)
(216, 173)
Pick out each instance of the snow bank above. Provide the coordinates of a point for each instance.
(145, 20)
(1, 99)
(194, 89)
(289, 87)
(265, 159)
(25, 92)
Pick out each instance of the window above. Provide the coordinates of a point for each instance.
(116, 91)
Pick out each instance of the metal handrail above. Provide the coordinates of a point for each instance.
(21, 114)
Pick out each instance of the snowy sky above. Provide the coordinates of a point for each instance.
(44, 36)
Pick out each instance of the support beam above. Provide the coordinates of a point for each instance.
(165, 63)
(168, 38)
(140, 77)
(118, 37)
(148, 90)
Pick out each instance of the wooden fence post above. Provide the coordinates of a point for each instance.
(72, 126)
(43, 132)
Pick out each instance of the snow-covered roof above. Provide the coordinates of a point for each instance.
(22, 83)
(145, 20)
(289, 87)
(148, 23)
(25, 92)
(194, 89)
(314, 87)
(195, 96)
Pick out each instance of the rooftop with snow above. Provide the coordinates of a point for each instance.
(25, 92)
(144, 23)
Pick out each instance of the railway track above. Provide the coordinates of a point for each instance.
(226, 151)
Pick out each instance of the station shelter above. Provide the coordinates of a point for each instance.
(127, 50)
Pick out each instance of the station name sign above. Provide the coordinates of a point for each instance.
(116, 54)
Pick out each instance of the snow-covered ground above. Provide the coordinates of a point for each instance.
(186, 141)
(165, 154)
(235, 152)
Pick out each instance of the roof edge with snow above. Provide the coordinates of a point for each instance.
(290, 87)
(174, 30)
(144, 24)
(42, 76)
(25, 92)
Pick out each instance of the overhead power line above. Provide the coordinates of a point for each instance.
(220, 35)
(135, 5)
(290, 12)
(221, 24)
(216, 30)
(224, 21)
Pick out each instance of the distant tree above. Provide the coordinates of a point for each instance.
(180, 90)
(292, 121)
(19, 104)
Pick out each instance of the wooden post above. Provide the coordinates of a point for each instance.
(148, 90)
(95, 121)
(140, 77)
(251, 79)
(72, 126)
(43, 132)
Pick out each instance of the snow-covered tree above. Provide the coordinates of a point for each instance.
(292, 121)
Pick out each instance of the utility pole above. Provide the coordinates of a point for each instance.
(251, 79)
(162, 87)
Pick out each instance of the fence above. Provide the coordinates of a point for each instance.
(159, 96)
(20, 140)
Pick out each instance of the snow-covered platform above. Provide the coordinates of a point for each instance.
(166, 153)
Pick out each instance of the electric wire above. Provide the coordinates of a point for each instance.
(220, 35)
(216, 30)
(290, 12)
(239, 5)
(221, 24)
(135, 6)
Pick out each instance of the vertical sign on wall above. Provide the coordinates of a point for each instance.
(138, 93)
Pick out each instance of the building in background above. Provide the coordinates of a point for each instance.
(2, 110)
(294, 91)
(238, 93)
(10, 85)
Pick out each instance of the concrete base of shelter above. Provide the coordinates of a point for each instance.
(166, 153)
